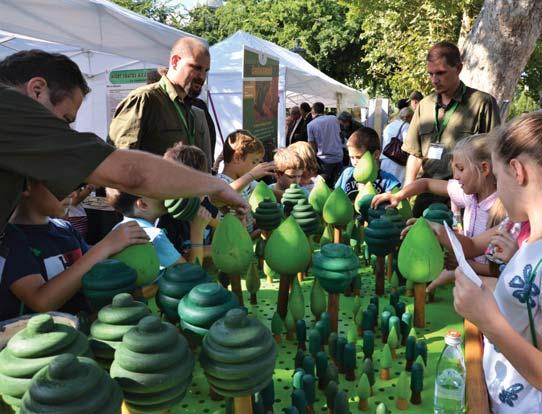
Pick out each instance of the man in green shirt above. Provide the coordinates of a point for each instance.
(44, 93)
(454, 111)
(155, 117)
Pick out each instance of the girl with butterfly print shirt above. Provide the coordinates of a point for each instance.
(511, 317)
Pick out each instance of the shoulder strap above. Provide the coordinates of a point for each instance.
(400, 129)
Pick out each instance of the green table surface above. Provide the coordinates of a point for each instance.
(440, 317)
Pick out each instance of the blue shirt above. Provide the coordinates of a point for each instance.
(325, 131)
(384, 182)
(45, 249)
(167, 253)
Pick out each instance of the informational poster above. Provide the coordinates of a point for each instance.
(261, 97)
(120, 83)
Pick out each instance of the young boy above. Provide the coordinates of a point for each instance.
(310, 163)
(145, 211)
(179, 232)
(288, 170)
(47, 257)
(243, 154)
(362, 140)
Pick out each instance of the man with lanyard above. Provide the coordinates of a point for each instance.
(454, 111)
(155, 117)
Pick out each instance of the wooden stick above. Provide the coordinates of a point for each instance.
(333, 309)
(126, 410)
(384, 374)
(419, 305)
(300, 276)
(235, 281)
(363, 405)
(475, 387)
(401, 404)
(337, 235)
(282, 300)
(242, 405)
(379, 276)
(389, 268)
(253, 299)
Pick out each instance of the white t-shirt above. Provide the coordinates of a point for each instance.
(391, 130)
(245, 193)
(509, 392)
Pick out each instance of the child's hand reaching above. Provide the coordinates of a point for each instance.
(263, 169)
(201, 219)
(123, 236)
(393, 199)
(505, 245)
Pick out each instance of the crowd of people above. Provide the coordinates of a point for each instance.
(447, 146)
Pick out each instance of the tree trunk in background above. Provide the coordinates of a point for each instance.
(499, 45)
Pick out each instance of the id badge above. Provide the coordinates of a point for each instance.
(435, 151)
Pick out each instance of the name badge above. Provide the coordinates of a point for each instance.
(435, 152)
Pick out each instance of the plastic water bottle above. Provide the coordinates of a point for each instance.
(450, 378)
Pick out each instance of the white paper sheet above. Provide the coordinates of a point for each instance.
(460, 256)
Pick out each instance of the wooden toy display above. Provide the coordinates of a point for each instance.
(238, 357)
(292, 196)
(319, 195)
(259, 194)
(268, 215)
(72, 384)
(153, 366)
(175, 283)
(205, 304)
(143, 259)
(439, 213)
(183, 208)
(113, 322)
(100, 286)
(32, 349)
(366, 169)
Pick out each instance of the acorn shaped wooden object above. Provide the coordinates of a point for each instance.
(335, 265)
(252, 281)
(403, 392)
(420, 260)
(268, 215)
(33, 348)
(318, 299)
(368, 344)
(287, 252)
(143, 259)
(175, 283)
(309, 365)
(315, 341)
(306, 217)
(260, 193)
(107, 279)
(338, 210)
(319, 195)
(309, 388)
(113, 322)
(439, 213)
(366, 169)
(368, 369)
(291, 196)
(382, 236)
(321, 367)
(183, 209)
(70, 383)
(340, 405)
(410, 352)
(364, 392)
(238, 355)
(416, 383)
(204, 305)
(153, 365)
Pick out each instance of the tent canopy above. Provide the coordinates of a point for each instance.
(98, 35)
(302, 81)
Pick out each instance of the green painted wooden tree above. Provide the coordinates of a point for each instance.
(252, 281)
(403, 391)
(277, 327)
(385, 362)
(364, 392)
(393, 342)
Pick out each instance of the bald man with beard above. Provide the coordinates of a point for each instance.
(154, 117)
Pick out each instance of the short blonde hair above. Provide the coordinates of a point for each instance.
(241, 143)
(286, 159)
(305, 151)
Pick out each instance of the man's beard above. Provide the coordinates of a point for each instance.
(194, 93)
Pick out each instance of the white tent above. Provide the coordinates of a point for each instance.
(98, 35)
(299, 81)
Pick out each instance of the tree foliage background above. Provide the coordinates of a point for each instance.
(378, 45)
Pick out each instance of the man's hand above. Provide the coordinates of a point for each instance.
(227, 196)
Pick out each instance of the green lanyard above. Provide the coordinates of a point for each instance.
(191, 134)
(527, 296)
(447, 115)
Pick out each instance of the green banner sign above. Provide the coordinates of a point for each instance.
(119, 77)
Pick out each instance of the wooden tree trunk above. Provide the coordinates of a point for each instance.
(475, 386)
(499, 45)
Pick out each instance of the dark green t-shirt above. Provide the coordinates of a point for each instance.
(477, 112)
(36, 144)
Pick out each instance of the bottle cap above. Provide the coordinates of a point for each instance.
(453, 338)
